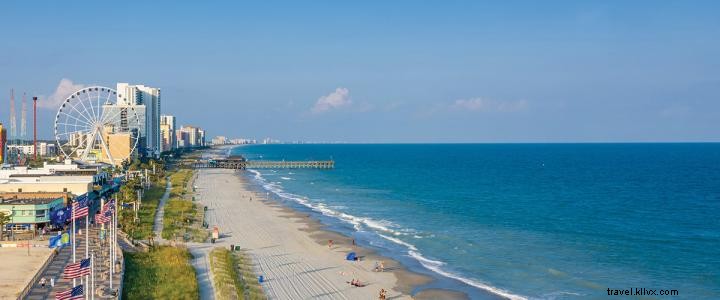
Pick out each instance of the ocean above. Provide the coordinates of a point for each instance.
(542, 221)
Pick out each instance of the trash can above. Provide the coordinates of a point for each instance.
(261, 279)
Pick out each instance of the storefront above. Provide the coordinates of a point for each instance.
(27, 215)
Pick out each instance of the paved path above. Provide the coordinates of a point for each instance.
(160, 212)
(199, 251)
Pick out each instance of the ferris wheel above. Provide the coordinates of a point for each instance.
(92, 126)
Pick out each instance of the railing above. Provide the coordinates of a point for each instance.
(122, 271)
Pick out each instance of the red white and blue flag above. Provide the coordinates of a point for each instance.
(103, 217)
(109, 206)
(73, 293)
(79, 209)
(77, 270)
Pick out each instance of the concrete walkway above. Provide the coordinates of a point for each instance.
(64, 257)
(199, 251)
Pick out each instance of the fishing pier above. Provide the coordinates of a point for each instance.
(240, 163)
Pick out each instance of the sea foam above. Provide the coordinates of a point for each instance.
(361, 223)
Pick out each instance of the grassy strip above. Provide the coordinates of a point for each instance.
(225, 277)
(162, 273)
(183, 218)
(247, 277)
(233, 275)
(143, 229)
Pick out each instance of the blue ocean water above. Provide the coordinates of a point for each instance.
(549, 221)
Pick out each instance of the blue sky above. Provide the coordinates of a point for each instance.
(386, 71)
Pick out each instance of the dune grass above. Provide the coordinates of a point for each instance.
(162, 273)
(183, 217)
(233, 277)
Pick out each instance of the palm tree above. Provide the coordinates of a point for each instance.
(4, 219)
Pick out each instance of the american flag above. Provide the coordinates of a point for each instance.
(77, 269)
(109, 206)
(73, 293)
(80, 209)
(102, 218)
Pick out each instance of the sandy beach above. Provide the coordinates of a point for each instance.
(290, 250)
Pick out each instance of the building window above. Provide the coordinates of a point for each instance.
(64, 190)
(40, 213)
(19, 190)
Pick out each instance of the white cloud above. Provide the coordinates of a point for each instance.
(339, 98)
(489, 105)
(63, 90)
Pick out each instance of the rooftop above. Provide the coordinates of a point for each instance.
(19, 201)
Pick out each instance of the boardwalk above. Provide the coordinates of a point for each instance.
(55, 268)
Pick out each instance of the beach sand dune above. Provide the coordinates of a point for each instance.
(285, 246)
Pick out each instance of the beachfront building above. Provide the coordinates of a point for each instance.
(120, 145)
(167, 133)
(65, 168)
(76, 185)
(145, 101)
(191, 136)
(201, 137)
(28, 214)
(219, 140)
(242, 141)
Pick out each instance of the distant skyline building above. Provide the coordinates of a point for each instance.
(191, 136)
(147, 104)
(219, 140)
(167, 133)
(44, 149)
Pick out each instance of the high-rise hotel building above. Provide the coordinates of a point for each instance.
(146, 103)
(167, 133)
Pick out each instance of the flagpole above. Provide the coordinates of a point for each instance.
(109, 237)
(92, 275)
(74, 208)
(87, 243)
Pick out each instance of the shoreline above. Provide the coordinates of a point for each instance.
(290, 249)
(407, 281)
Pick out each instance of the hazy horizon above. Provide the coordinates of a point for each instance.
(377, 72)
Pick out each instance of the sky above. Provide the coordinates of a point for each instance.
(384, 71)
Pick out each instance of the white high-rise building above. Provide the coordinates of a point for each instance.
(146, 101)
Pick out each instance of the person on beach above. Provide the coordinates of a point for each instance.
(52, 282)
(42, 281)
(330, 244)
(383, 294)
(377, 267)
(353, 242)
(382, 266)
